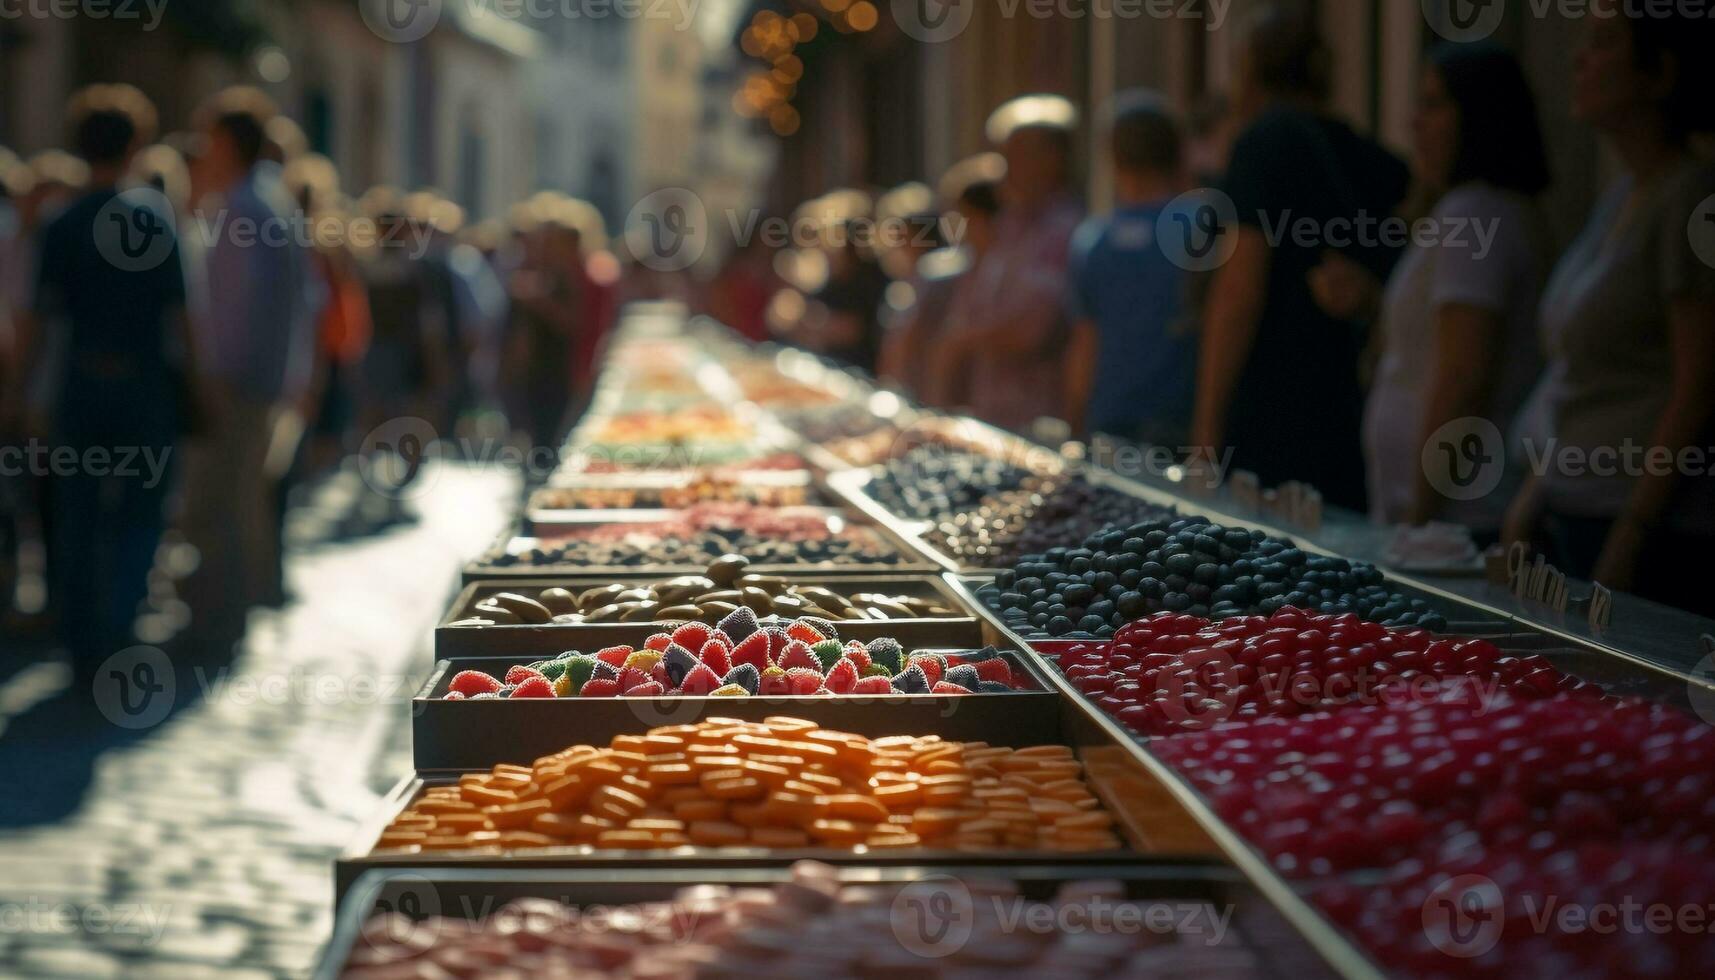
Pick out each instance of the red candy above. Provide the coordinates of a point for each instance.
(1172, 673)
(520, 673)
(535, 686)
(469, 683)
(597, 687)
(699, 681)
(692, 636)
(753, 650)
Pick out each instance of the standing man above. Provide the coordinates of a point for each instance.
(1008, 336)
(259, 341)
(1132, 366)
(109, 301)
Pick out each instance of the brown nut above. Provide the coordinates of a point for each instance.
(889, 609)
(731, 597)
(635, 595)
(758, 600)
(558, 601)
(821, 613)
(771, 584)
(641, 612)
(789, 605)
(599, 596)
(714, 610)
(501, 615)
(473, 621)
(674, 591)
(679, 612)
(826, 598)
(725, 570)
(607, 614)
(524, 607)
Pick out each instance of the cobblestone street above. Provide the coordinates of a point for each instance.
(203, 846)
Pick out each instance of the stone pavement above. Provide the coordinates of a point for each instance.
(203, 843)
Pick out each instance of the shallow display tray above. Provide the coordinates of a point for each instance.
(468, 735)
(535, 642)
(912, 560)
(1148, 816)
(474, 895)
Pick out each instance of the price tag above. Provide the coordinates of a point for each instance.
(1537, 581)
(1246, 489)
(1601, 608)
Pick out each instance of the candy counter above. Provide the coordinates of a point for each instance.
(1029, 684)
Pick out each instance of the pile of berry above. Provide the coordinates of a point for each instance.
(930, 483)
(1171, 673)
(742, 657)
(1188, 566)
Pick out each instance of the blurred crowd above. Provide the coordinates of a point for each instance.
(1360, 317)
(218, 304)
(194, 327)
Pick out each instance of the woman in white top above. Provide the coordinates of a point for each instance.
(1458, 345)
(1624, 491)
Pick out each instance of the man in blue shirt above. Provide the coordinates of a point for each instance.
(1131, 366)
(257, 330)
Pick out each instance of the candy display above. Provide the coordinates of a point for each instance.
(1173, 673)
(644, 546)
(813, 926)
(1192, 566)
(1043, 513)
(1554, 796)
(743, 657)
(724, 587)
(1279, 713)
(933, 482)
(779, 784)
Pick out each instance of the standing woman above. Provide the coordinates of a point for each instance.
(1630, 319)
(1458, 315)
(1277, 377)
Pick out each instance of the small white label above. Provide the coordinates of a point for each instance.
(1601, 608)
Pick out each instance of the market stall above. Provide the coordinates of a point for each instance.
(804, 681)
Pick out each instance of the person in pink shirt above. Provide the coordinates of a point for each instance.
(1008, 327)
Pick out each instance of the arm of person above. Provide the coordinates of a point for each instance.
(1235, 308)
(1080, 377)
(1467, 339)
(1690, 403)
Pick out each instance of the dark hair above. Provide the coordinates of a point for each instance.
(1287, 53)
(242, 113)
(247, 132)
(1145, 136)
(981, 195)
(108, 121)
(1500, 136)
(1690, 41)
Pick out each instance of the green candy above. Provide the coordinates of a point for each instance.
(828, 653)
(877, 670)
(579, 667)
(551, 669)
(887, 652)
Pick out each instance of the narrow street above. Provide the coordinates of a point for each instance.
(206, 841)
